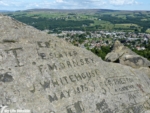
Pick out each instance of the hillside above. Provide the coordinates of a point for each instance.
(87, 20)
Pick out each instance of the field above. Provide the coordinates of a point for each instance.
(148, 30)
(89, 20)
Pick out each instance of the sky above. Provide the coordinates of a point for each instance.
(14, 5)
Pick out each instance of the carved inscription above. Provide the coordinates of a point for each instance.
(102, 107)
(46, 44)
(75, 78)
(68, 93)
(72, 91)
(60, 82)
(52, 55)
(46, 84)
(67, 64)
(137, 108)
(70, 64)
(75, 108)
(119, 85)
(6, 77)
(88, 85)
(15, 54)
(132, 97)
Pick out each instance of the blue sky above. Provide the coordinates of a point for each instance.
(75, 4)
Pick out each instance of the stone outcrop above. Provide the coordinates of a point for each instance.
(44, 74)
(125, 56)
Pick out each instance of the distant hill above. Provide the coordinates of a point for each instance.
(70, 10)
(1, 11)
(84, 10)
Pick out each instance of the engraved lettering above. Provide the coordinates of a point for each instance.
(45, 85)
(87, 60)
(82, 61)
(78, 77)
(62, 95)
(75, 63)
(68, 92)
(69, 64)
(43, 44)
(83, 75)
(71, 78)
(65, 79)
(62, 65)
(14, 51)
(53, 98)
(75, 108)
(55, 83)
(42, 55)
(52, 67)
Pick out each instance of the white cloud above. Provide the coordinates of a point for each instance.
(64, 4)
(44, 4)
(2, 3)
(123, 2)
(59, 1)
(9, 3)
(95, 0)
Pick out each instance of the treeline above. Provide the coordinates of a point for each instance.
(145, 53)
(43, 23)
(101, 52)
(136, 19)
(61, 24)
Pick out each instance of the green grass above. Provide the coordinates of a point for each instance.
(144, 19)
(98, 24)
(126, 25)
(148, 30)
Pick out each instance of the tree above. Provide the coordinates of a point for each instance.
(101, 52)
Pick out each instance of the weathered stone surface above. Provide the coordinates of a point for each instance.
(48, 75)
(125, 56)
(145, 70)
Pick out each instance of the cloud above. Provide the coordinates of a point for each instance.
(11, 3)
(3, 3)
(95, 0)
(59, 1)
(63, 4)
(123, 2)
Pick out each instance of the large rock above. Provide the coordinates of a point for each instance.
(125, 56)
(45, 74)
(145, 70)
